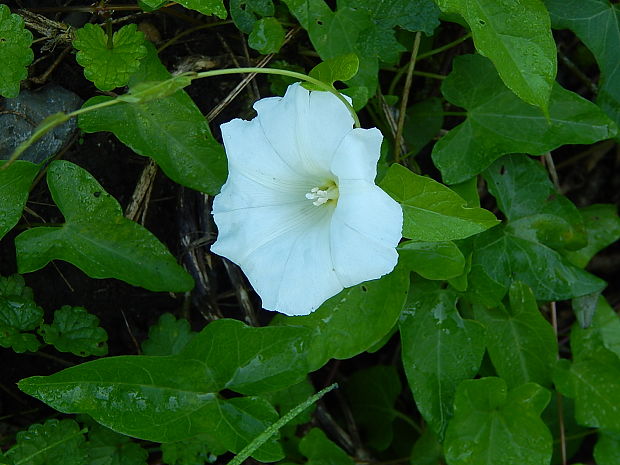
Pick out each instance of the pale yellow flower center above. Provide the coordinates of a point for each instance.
(324, 194)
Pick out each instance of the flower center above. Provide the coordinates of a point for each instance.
(322, 195)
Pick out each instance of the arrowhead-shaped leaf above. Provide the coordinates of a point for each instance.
(15, 182)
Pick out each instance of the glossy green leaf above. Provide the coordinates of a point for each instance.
(603, 332)
(105, 447)
(433, 212)
(97, 238)
(168, 337)
(439, 350)
(77, 331)
(597, 24)
(432, 260)
(176, 397)
(18, 314)
(267, 36)
(109, 64)
(423, 123)
(516, 37)
(371, 393)
(500, 257)
(529, 200)
(484, 136)
(335, 69)
(15, 52)
(183, 147)
(321, 451)
(494, 426)
(594, 383)
(52, 443)
(372, 308)
(521, 342)
(607, 449)
(206, 7)
(603, 228)
(15, 182)
(244, 12)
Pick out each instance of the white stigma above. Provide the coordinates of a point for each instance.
(322, 195)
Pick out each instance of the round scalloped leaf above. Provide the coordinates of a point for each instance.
(15, 52)
(77, 331)
(109, 68)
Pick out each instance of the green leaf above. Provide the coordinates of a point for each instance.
(191, 452)
(521, 343)
(372, 308)
(15, 182)
(340, 68)
(286, 400)
(439, 350)
(597, 24)
(97, 238)
(500, 257)
(244, 12)
(536, 211)
(473, 145)
(144, 92)
(426, 450)
(432, 260)
(18, 314)
(77, 331)
(105, 447)
(516, 37)
(267, 36)
(494, 426)
(433, 212)
(371, 393)
(607, 449)
(604, 332)
(594, 384)
(183, 147)
(109, 64)
(321, 451)
(603, 229)
(168, 337)
(52, 443)
(15, 52)
(423, 123)
(206, 7)
(174, 398)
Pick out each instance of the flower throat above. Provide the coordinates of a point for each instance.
(324, 194)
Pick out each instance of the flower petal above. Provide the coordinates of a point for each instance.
(357, 155)
(305, 128)
(365, 230)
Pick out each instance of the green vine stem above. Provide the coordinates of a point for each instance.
(145, 94)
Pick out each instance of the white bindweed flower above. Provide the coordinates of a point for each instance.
(300, 212)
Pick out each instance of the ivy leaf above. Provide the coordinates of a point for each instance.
(433, 212)
(597, 24)
(77, 331)
(191, 452)
(483, 137)
(439, 350)
(372, 308)
(244, 12)
(15, 52)
(603, 229)
(340, 68)
(521, 343)
(603, 332)
(109, 65)
(51, 443)
(267, 36)
(494, 425)
(18, 314)
(516, 37)
(97, 238)
(176, 397)
(321, 451)
(432, 260)
(168, 337)
(371, 394)
(15, 182)
(105, 447)
(184, 147)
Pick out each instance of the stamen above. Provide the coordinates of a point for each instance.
(322, 195)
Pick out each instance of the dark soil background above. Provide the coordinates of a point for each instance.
(587, 175)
